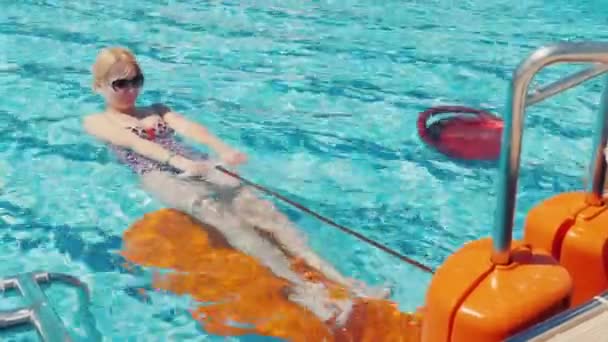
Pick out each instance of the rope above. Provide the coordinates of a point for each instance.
(327, 220)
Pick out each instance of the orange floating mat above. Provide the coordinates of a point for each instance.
(239, 296)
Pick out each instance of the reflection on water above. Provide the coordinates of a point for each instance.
(236, 295)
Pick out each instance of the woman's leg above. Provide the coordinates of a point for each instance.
(264, 215)
(197, 199)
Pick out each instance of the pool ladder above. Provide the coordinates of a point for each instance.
(38, 312)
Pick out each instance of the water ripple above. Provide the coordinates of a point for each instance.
(322, 95)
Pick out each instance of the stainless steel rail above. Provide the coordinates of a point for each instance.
(518, 100)
(38, 311)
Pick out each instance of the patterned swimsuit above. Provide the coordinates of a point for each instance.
(163, 135)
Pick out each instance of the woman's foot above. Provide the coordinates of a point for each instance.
(315, 297)
(361, 289)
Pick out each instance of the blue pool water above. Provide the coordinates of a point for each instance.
(322, 95)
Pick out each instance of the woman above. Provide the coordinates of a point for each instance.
(143, 138)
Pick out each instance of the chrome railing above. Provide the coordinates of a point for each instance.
(518, 100)
(38, 311)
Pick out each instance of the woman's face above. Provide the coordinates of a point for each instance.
(122, 86)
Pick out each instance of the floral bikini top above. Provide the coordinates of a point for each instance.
(161, 134)
(160, 130)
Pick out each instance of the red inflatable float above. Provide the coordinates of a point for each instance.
(462, 133)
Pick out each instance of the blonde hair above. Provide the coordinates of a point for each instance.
(107, 58)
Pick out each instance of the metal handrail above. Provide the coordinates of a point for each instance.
(589, 52)
(566, 83)
(38, 312)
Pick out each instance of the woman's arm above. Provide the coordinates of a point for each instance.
(199, 133)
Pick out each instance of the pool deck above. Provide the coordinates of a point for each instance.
(588, 322)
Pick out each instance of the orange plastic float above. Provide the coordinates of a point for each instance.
(471, 299)
(234, 287)
(575, 232)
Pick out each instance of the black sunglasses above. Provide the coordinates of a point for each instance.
(123, 83)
